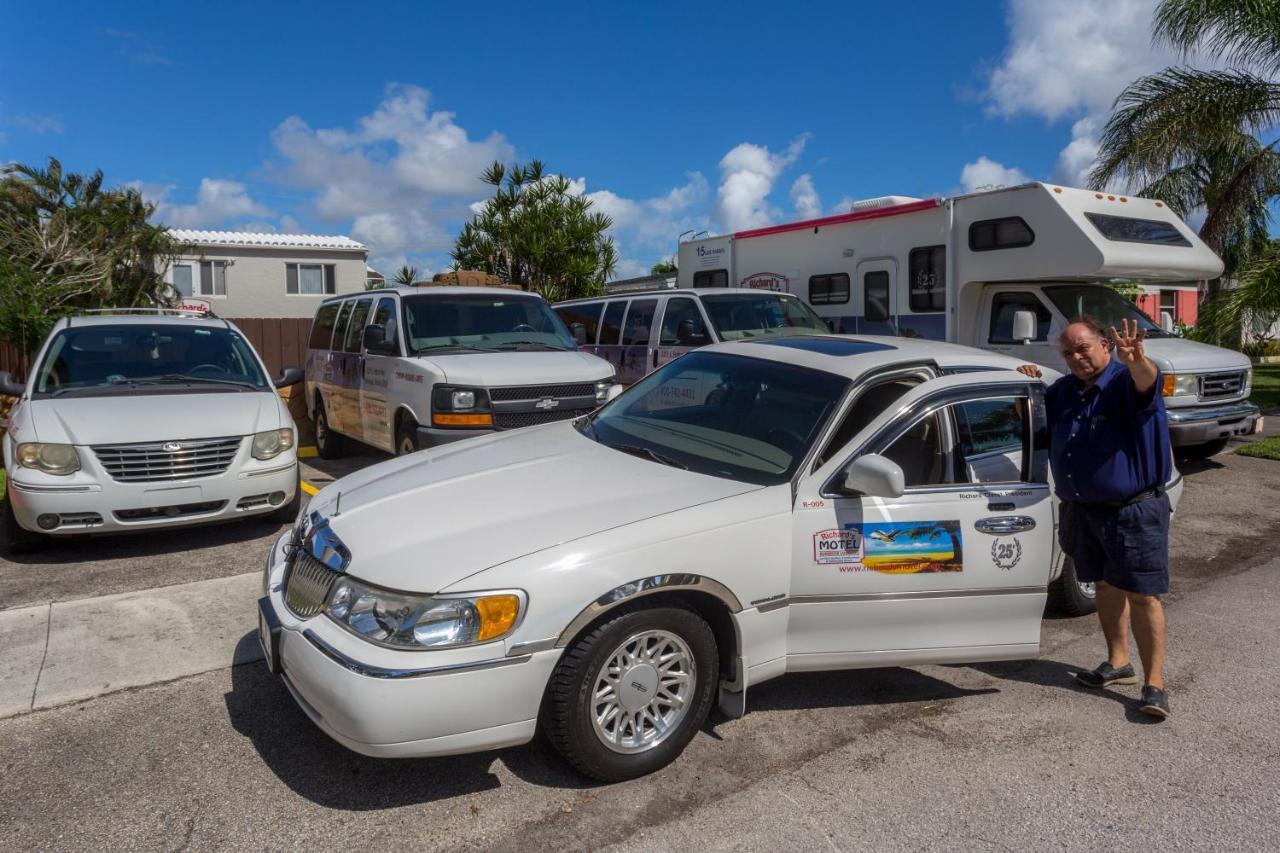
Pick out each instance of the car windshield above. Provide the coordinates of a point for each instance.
(753, 314)
(482, 323)
(105, 359)
(1101, 303)
(732, 416)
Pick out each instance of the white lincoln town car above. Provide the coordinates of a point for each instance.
(751, 509)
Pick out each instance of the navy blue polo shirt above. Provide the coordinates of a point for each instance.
(1107, 442)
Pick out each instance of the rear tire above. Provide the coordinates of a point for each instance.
(628, 696)
(1070, 596)
(20, 539)
(329, 445)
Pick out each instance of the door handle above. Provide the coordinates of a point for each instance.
(1003, 525)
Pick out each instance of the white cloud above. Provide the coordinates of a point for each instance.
(38, 124)
(1075, 161)
(985, 172)
(649, 226)
(805, 198)
(747, 176)
(218, 202)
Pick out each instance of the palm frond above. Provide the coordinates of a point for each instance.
(1245, 33)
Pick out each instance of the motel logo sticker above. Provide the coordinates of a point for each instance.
(838, 548)
(766, 281)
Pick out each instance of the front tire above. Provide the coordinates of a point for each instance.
(20, 539)
(1071, 596)
(329, 445)
(407, 437)
(627, 697)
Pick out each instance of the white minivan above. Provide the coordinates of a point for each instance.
(406, 368)
(142, 420)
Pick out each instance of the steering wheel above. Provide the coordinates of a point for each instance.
(523, 327)
(208, 367)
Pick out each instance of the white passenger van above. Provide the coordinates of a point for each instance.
(412, 367)
(1004, 270)
(638, 332)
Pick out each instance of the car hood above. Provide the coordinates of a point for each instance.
(159, 417)
(500, 369)
(424, 521)
(1177, 355)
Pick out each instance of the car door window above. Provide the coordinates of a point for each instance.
(639, 322)
(355, 326)
(588, 314)
(385, 316)
(992, 434)
(340, 325)
(924, 453)
(611, 325)
(680, 309)
(322, 327)
(868, 405)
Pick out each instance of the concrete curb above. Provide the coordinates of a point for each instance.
(53, 654)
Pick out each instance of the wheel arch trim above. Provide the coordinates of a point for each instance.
(644, 587)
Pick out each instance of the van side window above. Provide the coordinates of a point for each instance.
(875, 296)
(927, 273)
(611, 326)
(355, 326)
(340, 325)
(1005, 305)
(385, 315)
(322, 327)
(1010, 232)
(587, 314)
(680, 309)
(830, 289)
(639, 322)
(711, 278)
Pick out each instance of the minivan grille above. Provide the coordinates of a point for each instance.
(306, 588)
(1217, 385)
(168, 460)
(538, 392)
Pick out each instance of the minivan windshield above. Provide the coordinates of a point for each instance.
(96, 360)
(732, 416)
(761, 313)
(502, 322)
(1103, 304)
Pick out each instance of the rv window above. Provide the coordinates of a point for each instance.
(1125, 229)
(875, 296)
(639, 322)
(927, 270)
(322, 327)
(678, 310)
(587, 314)
(711, 278)
(611, 326)
(832, 289)
(1011, 232)
(1005, 305)
(355, 328)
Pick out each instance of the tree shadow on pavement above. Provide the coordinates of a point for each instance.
(1052, 673)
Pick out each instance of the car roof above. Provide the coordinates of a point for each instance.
(682, 291)
(77, 321)
(853, 356)
(433, 290)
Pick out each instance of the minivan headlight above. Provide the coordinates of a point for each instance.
(273, 442)
(407, 621)
(1180, 385)
(60, 459)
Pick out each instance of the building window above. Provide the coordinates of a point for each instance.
(1011, 232)
(927, 270)
(711, 278)
(831, 289)
(875, 296)
(213, 278)
(1168, 304)
(182, 279)
(310, 279)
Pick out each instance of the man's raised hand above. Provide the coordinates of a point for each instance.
(1127, 344)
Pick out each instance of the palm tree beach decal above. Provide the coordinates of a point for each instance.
(912, 547)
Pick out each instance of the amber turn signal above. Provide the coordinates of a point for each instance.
(440, 419)
(497, 615)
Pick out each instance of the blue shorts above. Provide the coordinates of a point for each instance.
(1127, 547)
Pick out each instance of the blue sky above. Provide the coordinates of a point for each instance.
(374, 120)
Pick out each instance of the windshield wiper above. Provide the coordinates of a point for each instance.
(447, 348)
(646, 453)
(530, 346)
(182, 377)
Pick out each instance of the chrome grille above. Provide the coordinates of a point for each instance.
(1217, 385)
(538, 392)
(167, 460)
(516, 420)
(306, 588)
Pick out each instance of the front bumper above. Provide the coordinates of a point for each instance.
(1201, 424)
(388, 703)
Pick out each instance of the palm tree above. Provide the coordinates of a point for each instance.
(406, 275)
(1193, 137)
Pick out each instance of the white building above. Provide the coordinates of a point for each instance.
(241, 274)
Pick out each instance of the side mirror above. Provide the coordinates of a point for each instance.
(9, 387)
(375, 338)
(579, 333)
(876, 476)
(288, 376)
(1166, 322)
(684, 331)
(1024, 326)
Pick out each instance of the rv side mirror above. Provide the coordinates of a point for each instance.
(684, 332)
(1024, 326)
(9, 387)
(1166, 322)
(288, 376)
(579, 333)
(875, 476)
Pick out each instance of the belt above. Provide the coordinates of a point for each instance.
(1147, 495)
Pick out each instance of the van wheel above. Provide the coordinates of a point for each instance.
(19, 539)
(627, 697)
(407, 437)
(329, 444)
(1071, 596)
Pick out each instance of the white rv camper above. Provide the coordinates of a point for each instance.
(1004, 270)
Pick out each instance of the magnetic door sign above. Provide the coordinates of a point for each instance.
(911, 547)
(838, 547)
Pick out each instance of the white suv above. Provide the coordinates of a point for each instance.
(132, 421)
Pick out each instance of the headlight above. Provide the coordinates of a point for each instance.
(60, 459)
(273, 442)
(602, 388)
(1180, 385)
(1248, 381)
(464, 399)
(460, 407)
(405, 621)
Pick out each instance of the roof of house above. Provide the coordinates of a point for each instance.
(266, 240)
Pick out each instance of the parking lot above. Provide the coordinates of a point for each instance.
(991, 756)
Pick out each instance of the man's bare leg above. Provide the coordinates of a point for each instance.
(1113, 613)
(1148, 631)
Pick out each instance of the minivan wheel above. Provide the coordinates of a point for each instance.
(626, 698)
(407, 437)
(1070, 595)
(329, 444)
(19, 539)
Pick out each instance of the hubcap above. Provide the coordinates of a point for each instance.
(406, 445)
(1088, 590)
(643, 691)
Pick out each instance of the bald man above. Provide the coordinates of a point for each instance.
(1110, 455)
